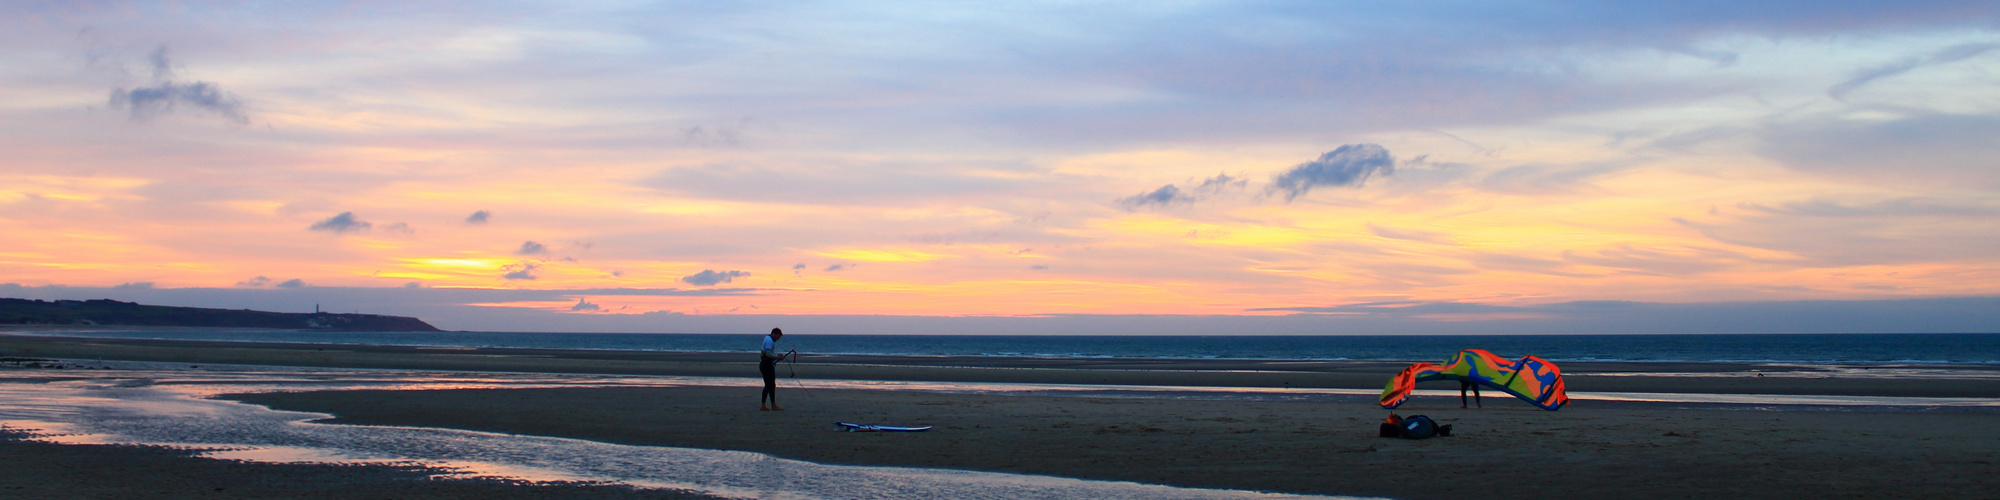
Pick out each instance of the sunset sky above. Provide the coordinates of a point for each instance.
(1058, 167)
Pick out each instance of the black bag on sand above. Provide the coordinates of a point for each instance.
(1421, 427)
(1414, 427)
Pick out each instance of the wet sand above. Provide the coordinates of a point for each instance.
(31, 469)
(1506, 450)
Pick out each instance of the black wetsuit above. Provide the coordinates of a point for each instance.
(768, 365)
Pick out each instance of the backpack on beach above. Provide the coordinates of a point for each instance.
(1413, 427)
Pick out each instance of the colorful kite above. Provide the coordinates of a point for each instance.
(1532, 379)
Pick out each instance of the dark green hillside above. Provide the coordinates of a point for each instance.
(112, 312)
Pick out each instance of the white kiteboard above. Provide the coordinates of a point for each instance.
(854, 427)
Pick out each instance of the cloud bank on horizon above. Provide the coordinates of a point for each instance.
(1469, 163)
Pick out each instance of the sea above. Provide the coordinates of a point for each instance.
(1910, 348)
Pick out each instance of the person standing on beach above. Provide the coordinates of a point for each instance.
(769, 366)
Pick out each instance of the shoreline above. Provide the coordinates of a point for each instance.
(1890, 380)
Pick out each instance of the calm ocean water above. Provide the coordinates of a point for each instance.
(1971, 348)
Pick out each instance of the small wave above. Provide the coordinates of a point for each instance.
(1940, 349)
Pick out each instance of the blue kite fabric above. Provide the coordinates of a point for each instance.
(1532, 379)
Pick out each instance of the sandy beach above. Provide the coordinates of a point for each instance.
(1264, 442)
(1506, 450)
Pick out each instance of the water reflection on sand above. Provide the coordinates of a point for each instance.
(165, 407)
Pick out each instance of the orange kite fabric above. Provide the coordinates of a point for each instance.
(1532, 379)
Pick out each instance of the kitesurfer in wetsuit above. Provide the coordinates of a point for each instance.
(1464, 384)
(769, 366)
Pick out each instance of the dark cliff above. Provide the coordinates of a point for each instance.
(112, 312)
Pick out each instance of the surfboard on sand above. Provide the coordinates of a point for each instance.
(854, 427)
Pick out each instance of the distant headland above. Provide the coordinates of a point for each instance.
(112, 312)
